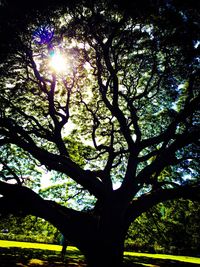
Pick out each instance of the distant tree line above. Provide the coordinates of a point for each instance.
(29, 229)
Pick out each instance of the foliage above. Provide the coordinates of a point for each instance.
(29, 229)
(69, 194)
(171, 227)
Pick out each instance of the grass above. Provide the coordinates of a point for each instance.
(6, 244)
(24, 254)
(186, 259)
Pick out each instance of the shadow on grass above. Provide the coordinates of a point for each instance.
(132, 261)
(10, 257)
(25, 257)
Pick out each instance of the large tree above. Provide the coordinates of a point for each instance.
(107, 95)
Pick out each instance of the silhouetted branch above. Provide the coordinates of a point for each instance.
(147, 201)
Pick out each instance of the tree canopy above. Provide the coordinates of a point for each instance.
(119, 114)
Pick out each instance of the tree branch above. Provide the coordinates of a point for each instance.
(147, 201)
(166, 157)
(78, 227)
(14, 175)
(59, 163)
(170, 131)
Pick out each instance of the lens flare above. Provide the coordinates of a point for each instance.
(43, 35)
(58, 62)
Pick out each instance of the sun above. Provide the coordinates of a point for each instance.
(59, 62)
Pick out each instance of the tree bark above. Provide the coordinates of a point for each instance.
(108, 247)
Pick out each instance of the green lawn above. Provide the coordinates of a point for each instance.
(26, 254)
(165, 257)
(34, 254)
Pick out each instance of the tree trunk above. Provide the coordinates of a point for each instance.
(108, 246)
(106, 250)
(104, 254)
(99, 237)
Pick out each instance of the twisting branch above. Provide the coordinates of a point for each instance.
(114, 109)
(37, 128)
(134, 117)
(40, 79)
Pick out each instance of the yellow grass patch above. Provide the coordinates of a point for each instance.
(36, 262)
(5, 243)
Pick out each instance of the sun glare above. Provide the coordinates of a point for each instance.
(58, 62)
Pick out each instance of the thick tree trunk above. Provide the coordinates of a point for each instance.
(108, 246)
(100, 238)
(105, 254)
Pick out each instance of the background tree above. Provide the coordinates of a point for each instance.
(29, 229)
(171, 227)
(119, 114)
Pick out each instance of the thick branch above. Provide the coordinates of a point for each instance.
(129, 186)
(77, 226)
(145, 202)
